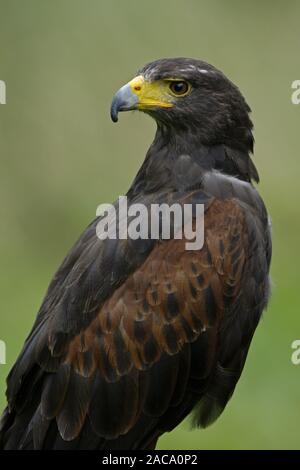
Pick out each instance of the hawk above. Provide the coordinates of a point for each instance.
(133, 335)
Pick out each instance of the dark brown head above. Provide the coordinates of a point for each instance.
(199, 112)
(189, 95)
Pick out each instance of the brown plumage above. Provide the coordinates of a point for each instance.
(135, 334)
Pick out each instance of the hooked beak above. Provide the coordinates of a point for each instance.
(124, 100)
(138, 94)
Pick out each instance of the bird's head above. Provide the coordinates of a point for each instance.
(188, 95)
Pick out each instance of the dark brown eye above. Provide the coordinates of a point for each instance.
(179, 88)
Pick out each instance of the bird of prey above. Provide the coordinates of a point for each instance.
(135, 334)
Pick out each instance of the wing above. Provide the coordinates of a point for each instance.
(168, 331)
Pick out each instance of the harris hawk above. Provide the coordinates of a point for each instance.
(135, 334)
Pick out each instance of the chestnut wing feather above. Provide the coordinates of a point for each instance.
(173, 335)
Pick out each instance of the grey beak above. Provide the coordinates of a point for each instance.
(124, 100)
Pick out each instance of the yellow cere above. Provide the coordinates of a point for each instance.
(150, 94)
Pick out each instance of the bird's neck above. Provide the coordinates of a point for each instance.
(178, 159)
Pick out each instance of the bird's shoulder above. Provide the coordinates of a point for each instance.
(115, 309)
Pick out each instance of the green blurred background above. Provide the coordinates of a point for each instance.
(61, 156)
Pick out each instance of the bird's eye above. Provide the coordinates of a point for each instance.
(179, 88)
